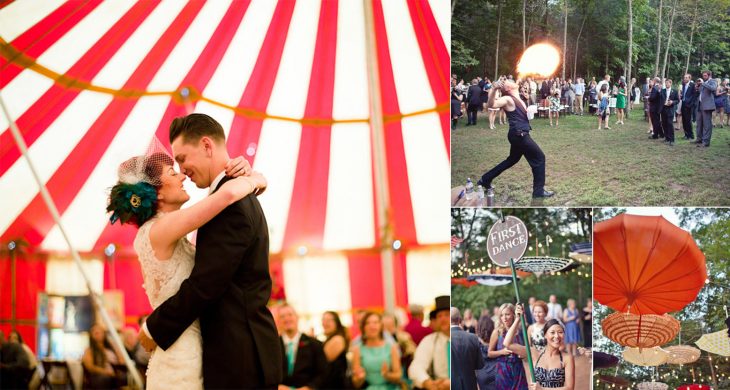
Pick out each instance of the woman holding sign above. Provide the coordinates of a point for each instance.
(508, 351)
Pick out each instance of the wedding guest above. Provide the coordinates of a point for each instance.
(486, 376)
(509, 350)
(375, 363)
(552, 369)
(335, 348)
(466, 358)
(304, 361)
(571, 319)
(98, 359)
(588, 323)
(430, 367)
(534, 331)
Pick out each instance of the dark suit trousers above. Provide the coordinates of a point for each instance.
(656, 124)
(521, 144)
(667, 125)
(471, 112)
(687, 121)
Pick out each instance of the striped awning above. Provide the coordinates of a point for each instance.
(90, 82)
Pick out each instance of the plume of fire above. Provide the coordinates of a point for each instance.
(541, 59)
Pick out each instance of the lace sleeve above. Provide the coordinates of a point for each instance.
(154, 272)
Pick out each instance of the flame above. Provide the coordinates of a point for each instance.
(541, 59)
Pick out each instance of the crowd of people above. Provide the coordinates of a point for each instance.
(386, 354)
(489, 352)
(664, 104)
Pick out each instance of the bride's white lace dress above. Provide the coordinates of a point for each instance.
(181, 365)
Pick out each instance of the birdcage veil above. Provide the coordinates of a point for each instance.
(146, 168)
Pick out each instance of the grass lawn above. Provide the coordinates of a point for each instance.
(588, 167)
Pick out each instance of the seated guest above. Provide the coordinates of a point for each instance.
(406, 346)
(98, 360)
(31, 372)
(304, 360)
(335, 351)
(135, 351)
(430, 366)
(14, 364)
(415, 324)
(376, 362)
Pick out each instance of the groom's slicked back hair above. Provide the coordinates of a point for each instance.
(195, 126)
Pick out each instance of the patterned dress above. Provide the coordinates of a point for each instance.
(550, 378)
(510, 371)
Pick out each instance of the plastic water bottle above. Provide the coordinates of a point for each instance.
(469, 189)
(490, 197)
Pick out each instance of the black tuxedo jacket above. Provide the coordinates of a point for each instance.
(655, 100)
(228, 290)
(466, 357)
(310, 364)
(673, 96)
(473, 96)
(689, 97)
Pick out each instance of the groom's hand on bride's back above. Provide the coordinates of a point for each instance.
(147, 343)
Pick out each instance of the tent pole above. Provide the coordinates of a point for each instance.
(377, 132)
(95, 296)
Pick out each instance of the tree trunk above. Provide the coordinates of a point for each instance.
(630, 58)
(606, 72)
(453, 5)
(658, 39)
(669, 39)
(577, 41)
(691, 35)
(524, 35)
(496, 51)
(565, 35)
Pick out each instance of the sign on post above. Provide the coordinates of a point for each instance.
(507, 240)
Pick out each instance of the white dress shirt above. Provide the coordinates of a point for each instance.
(431, 348)
(554, 311)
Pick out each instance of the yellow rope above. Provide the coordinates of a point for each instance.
(183, 95)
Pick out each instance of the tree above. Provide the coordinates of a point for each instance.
(565, 36)
(524, 37)
(691, 35)
(669, 39)
(496, 50)
(630, 59)
(658, 39)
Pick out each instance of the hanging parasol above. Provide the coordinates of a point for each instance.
(604, 360)
(462, 282)
(647, 357)
(491, 279)
(646, 331)
(716, 342)
(541, 264)
(582, 251)
(614, 380)
(682, 354)
(646, 265)
(652, 386)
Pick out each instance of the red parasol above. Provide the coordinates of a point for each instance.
(646, 265)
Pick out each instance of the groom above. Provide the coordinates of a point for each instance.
(229, 285)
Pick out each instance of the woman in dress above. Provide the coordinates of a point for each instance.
(150, 195)
(508, 351)
(720, 97)
(469, 324)
(486, 376)
(375, 363)
(587, 324)
(571, 319)
(621, 103)
(554, 100)
(493, 113)
(552, 369)
(335, 350)
(98, 359)
(456, 97)
(602, 111)
(534, 331)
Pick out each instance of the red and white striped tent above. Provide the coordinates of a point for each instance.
(90, 82)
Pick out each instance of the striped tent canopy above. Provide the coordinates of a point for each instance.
(90, 83)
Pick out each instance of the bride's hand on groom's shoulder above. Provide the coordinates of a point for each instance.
(147, 343)
(238, 166)
(259, 181)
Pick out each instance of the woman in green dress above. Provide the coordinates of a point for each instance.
(376, 362)
(621, 102)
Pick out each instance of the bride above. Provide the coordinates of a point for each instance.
(150, 194)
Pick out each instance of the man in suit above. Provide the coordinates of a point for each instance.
(706, 105)
(304, 360)
(688, 97)
(669, 99)
(473, 102)
(466, 357)
(230, 285)
(655, 108)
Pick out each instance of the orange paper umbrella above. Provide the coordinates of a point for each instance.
(646, 265)
(645, 331)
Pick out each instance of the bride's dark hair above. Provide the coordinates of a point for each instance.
(135, 201)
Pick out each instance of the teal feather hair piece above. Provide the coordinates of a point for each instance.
(125, 209)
